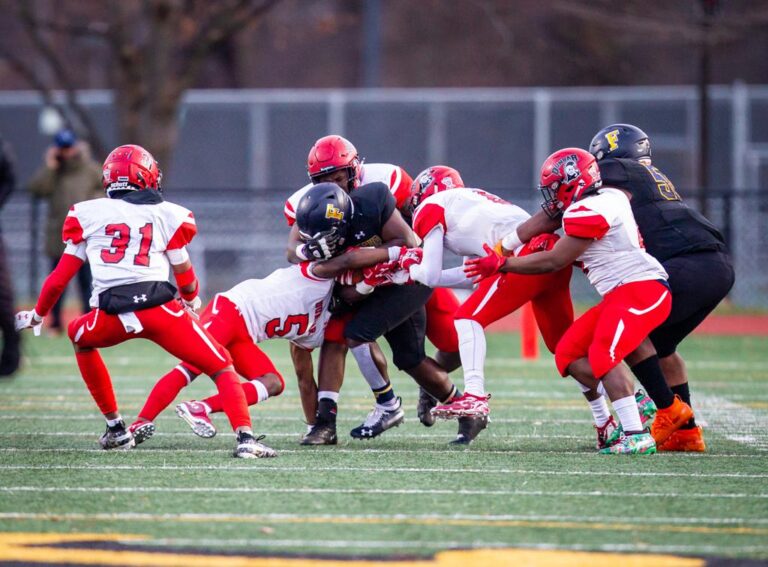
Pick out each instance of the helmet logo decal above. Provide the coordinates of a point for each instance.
(612, 138)
(567, 168)
(332, 212)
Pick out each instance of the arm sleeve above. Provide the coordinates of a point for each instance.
(429, 270)
(456, 278)
(582, 222)
(57, 282)
(184, 234)
(428, 217)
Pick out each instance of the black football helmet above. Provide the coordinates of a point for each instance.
(324, 210)
(620, 141)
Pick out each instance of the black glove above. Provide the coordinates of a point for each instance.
(323, 245)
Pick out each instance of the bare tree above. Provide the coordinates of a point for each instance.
(156, 50)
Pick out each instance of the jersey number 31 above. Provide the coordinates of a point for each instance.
(121, 237)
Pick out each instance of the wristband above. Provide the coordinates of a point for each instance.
(511, 241)
(394, 253)
(190, 296)
(300, 253)
(363, 288)
(185, 278)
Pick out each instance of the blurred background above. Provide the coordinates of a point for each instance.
(230, 95)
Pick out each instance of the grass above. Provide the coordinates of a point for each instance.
(531, 480)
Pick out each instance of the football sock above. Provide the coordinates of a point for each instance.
(233, 399)
(381, 387)
(164, 392)
(685, 395)
(115, 422)
(327, 394)
(326, 411)
(96, 377)
(455, 393)
(629, 416)
(254, 391)
(472, 353)
(649, 374)
(600, 412)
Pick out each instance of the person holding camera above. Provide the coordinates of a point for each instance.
(68, 176)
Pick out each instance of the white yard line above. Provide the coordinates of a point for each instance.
(266, 517)
(264, 468)
(734, 421)
(410, 491)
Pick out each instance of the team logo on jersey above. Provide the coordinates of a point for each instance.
(612, 138)
(332, 212)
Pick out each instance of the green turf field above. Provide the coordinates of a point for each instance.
(531, 480)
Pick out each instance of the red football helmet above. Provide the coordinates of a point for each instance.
(331, 153)
(130, 168)
(567, 176)
(433, 180)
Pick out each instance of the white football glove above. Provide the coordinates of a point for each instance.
(194, 305)
(29, 320)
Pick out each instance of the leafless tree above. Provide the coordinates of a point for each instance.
(156, 50)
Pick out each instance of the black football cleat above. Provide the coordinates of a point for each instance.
(117, 437)
(424, 407)
(322, 433)
(378, 421)
(469, 428)
(250, 447)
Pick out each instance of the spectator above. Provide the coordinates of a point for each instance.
(11, 354)
(68, 176)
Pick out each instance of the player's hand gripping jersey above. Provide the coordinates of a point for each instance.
(127, 240)
(394, 177)
(469, 218)
(290, 303)
(617, 256)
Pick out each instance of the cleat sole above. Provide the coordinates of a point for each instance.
(199, 427)
(143, 432)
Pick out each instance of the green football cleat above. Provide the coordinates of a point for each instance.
(637, 444)
(645, 406)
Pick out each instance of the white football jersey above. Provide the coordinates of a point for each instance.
(394, 177)
(469, 217)
(290, 303)
(126, 242)
(617, 255)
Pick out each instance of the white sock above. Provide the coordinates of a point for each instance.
(327, 394)
(113, 422)
(472, 353)
(600, 412)
(626, 409)
(261, 390)
(601, 389)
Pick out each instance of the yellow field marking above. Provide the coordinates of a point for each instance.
(17, 547)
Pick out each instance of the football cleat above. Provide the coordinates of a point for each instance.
(250, 447)
(669, 420)
(466, 405)
(196, 416)
(645, 406)
(608, 434)
(637, 444)
(424, 408)
(469, 428)
(117, 437)
(141, 431)
(322, 433)
(379, 420)
(685, 440)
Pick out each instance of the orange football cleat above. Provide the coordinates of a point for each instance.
(685, 440)
(669, 420)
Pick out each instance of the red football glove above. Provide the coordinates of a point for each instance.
(479, 269)
(380, 274)
(540, 243)
(409, 257)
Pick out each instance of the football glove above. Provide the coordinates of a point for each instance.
(193, 305)
(409, 257)
(478, 269)
(322, 246)
(29, 320)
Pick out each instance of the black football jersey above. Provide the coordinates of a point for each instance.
(668, 226)
(373, 205)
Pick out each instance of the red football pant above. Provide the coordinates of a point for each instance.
(499, 296)
(170, 327)
(223, 321)
(614, 327)
(441, 308)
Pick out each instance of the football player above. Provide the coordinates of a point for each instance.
(334, 159)
(463, 220)
(601, 233)
(132, 238)
(396, 312)
(691, 250)
(291, 303)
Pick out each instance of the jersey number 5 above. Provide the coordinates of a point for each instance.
(279, 328)
(121, 237)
